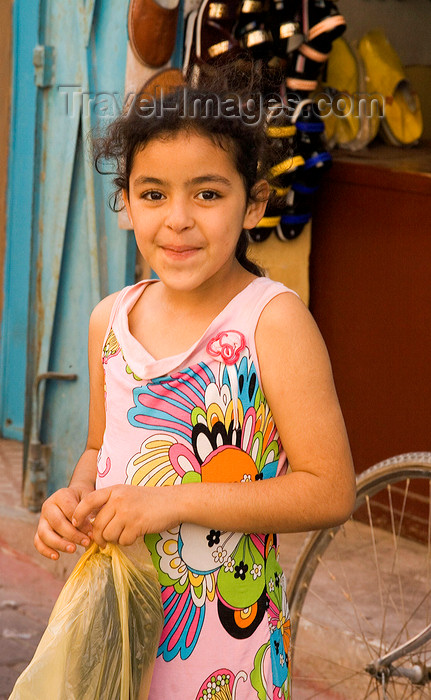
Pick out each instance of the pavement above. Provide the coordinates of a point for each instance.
(29, 583)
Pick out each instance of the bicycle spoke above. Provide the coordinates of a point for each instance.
(328, 688)
(366, 590)
(404, 696)
(379, 578)
(347, 594)
(397, 538)
(370, 689)
(359, 616)
(395, 562)
(389, 598)
(395, 566)
(426, 597)
(335, 613)
(331, 662)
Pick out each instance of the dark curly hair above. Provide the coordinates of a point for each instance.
(226, 106)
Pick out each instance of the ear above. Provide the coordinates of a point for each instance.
(126, 201)
(256, 207)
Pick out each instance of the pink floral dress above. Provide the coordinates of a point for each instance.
(202, 416)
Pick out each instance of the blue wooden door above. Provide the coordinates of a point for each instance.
(13, 340)
(78, 252)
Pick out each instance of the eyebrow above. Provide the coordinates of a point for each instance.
(144, 180)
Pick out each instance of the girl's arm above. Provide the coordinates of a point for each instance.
(318, 492)
(55, 532)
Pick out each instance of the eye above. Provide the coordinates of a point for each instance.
(151, 195)
(209, 195)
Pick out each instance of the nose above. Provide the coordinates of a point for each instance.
(178, 214)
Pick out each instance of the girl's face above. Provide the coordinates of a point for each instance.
(187, 204)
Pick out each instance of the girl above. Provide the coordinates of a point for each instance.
(207, 382)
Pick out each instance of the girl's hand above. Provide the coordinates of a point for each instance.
(123, 513)
(55, 532)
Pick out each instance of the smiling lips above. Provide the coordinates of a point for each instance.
(179, 251)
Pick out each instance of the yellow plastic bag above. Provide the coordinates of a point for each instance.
(102, 636)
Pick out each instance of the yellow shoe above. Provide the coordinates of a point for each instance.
(350, 123)
(402, 122)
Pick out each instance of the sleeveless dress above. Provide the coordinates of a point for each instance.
(201, 416)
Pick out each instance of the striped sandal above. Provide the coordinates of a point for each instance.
(251, 30)
(208, 37)
(322, 23)
(306, 68)
(285, 25)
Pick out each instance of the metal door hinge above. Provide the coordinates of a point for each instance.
(43, 61)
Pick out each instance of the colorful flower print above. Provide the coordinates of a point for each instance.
(130, 371)
(227, 345)
(206, 429)
(211, 443)
(278, 616)
(221, 685)
(241, 570)
(183, 622)
(258, 678)
(220, 555)
(229, 564)
(111, 347)
(256, 571)
(103, 471)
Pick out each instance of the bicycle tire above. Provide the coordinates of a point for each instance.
(345, 616)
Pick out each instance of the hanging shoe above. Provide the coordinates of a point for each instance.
(285, 26)
(296, 215)
(280, 129)
(152, 30)
(266, 226)
(322, 23)
(306, 68)
(351, 119)
(402, 123)
(208, 37)
(161, 83)
(281, 175)
(299, 200)
(214, 24)
(310, 129)
(252, 31)
(306, 178)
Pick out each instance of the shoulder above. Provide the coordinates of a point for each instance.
(283, 313)
(287, 333)
(102, 311)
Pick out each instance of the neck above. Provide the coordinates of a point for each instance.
(210, 297)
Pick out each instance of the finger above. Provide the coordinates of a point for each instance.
(89, 505)
(127, 538)
(106, 526)
(43, 549)
(113, 531)
(55, 541)
(58, 523)
(64, 500)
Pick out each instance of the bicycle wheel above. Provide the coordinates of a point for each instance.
(361, 590)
